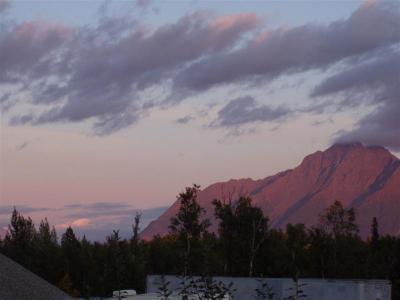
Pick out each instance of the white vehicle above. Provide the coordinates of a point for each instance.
(124, 294)
(131, 295)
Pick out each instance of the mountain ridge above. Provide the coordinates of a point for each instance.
(364, 177)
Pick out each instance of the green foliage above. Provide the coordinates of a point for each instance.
(188, 223)
(339, 221)
(189, 226)
(66, 285)
(19, 240)
(374, 232)
(243, 230)
(333, 249)
(47, 262)
(297, 242)
(340, 243)
(71, 249)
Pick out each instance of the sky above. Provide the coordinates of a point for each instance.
(109, 108)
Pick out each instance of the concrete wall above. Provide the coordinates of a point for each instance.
(314, 289)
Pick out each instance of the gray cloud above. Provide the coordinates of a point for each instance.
(118, 210)
(103, 217)
(4, 5)
(289, 50)
(26, 51)
(184, 120)
(375, 82)
(379, 73)
(102, 70)
(98, 206)
(245, 110)
(7, 209)
(143, 3)
(112, 73)
(121, 216)
(93, 213)
(381, 127)
(97, 209)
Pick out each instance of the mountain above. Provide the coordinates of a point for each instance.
(366, 178)
(3, 233)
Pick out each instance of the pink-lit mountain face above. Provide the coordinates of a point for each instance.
(366, 178)
(3, 233)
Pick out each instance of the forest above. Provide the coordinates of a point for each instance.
(242, 245)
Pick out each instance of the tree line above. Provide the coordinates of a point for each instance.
(242, 244)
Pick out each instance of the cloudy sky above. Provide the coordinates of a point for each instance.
(112, 107)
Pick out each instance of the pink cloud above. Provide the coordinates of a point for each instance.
(82, 222)
(245, 20)
(262, 36)
(42, 31)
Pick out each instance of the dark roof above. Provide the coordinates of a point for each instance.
(17, 283)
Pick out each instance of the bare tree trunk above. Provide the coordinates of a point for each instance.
(251, 266)
(255, 246)
(187, 255)
(322, 267)
(252, 253)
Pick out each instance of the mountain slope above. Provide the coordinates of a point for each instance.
(367, 178)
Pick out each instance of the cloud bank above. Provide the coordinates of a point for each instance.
(95, 220)
(98, 73)
(246, 110)
(290, 50)
(4, 4)
(375, 82)
(7, 209)
(113, 72)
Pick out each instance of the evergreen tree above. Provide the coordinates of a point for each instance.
(114, 262)
(47, 252)
(19, 240)
(66, 285)
(374, 232)
(189, 225)
(331, 249)
(162, 255)
(136, 230)
(86, 267)
(72, 265)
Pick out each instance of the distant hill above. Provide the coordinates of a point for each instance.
(366, 178)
